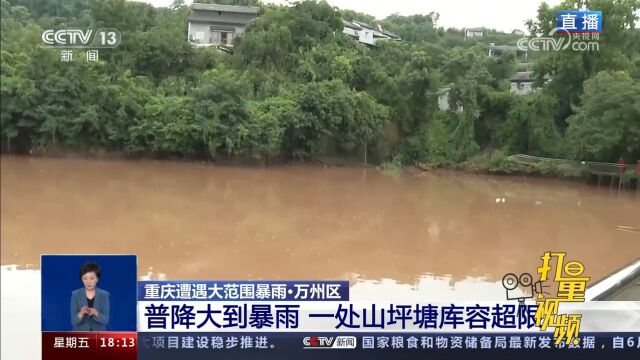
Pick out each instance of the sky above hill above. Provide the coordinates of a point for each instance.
(503, 15)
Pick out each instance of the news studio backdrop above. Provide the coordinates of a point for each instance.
(548, 310)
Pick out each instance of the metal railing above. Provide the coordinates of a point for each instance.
(589, 166)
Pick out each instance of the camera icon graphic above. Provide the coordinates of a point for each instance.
(521, 288)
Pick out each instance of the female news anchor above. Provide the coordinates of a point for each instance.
(89, 305)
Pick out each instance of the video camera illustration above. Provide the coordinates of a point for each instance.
(521, 288)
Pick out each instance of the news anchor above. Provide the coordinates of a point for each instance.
(89, 305)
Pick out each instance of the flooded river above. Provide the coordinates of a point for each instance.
(403, 235)
(193, 221)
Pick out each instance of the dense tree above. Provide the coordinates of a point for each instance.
(414, 28)
(350, 15)
(222, 112)
(607, 123)
(271, 119)
(59, 9)
(530, 127)
(296, 86)
(330, 108)
(167, 128)
(568, 69)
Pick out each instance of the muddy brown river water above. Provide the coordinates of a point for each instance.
(405, 235)
(195, 221)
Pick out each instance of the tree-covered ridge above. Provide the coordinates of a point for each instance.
(295, 86)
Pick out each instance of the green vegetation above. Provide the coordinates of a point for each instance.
(296, 87)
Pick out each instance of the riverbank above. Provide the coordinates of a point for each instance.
(498, 163)
(494, 163)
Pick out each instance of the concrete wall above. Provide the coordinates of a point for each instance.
(443, 101)
(201, 32)
(222, 17)
(366, 36)
(350, 32)
(474, 34)
(232, 24)
(522, 88)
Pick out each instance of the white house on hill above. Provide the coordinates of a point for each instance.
(213, 24)
(522, 82)
(473, 32)
(366, 33)
(497, 50)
